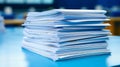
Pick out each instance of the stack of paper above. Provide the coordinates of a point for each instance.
(2, 27)
(64, 33)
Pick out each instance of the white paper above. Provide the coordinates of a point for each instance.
(68, 55)
(66, 12)
(71, 42)
(66, 33)
(65, 49)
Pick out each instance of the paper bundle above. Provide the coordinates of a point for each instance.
(65, 33)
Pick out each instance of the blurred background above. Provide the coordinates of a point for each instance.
(14, 11)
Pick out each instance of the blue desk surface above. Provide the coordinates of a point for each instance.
(12, 55)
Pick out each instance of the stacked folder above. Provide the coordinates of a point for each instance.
(2, 27)
(65, 33)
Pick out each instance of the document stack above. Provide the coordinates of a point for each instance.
(65, 33)
(2, 27)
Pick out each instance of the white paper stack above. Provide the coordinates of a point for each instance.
(65, 33)
(2, 27)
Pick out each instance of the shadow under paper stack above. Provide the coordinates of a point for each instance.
(65, 33)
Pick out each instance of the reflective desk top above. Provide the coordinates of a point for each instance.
(12, 55)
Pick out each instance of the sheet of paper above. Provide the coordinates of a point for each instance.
(65, 49)
(66, 12)
(64, 43)
(69, 55)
